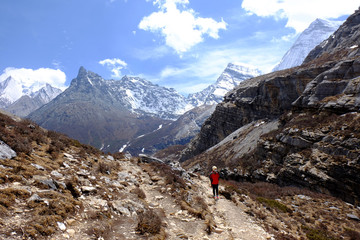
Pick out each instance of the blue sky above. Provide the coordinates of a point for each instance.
(184, 44)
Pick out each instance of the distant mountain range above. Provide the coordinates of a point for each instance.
(137, 95)
(133, 114)
(20, 100)
(318, 31)
(111, 114)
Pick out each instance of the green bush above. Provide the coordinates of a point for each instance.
(316, 234)
(271, 203)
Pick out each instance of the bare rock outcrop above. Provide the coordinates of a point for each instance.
(264, 97)
(317, 105)
(6, 151)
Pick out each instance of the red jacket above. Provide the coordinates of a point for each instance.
(214, 178)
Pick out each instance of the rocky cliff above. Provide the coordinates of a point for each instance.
(309, 136)
(267, 96)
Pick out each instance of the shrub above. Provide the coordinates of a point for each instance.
(19, 193)
(352, 234)
(71, 186)
(316, 234)
(148, 222)
(3, 211)
(271, 203)
(226, 193)
(45, 225)
(171, 177)
(6, 200)
(139, 192)
(104, 168)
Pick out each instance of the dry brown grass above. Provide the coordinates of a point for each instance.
(138, 192)
(107, 167)
(45, 215)
(149, 222)
(196, 206)
(290, 213)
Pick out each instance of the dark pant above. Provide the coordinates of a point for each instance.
(215, 189)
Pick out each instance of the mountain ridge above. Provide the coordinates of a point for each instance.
(310, 120)
(90, 99)
(312, 36)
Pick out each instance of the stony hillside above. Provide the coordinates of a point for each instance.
(179, 132)
(296, 127)
(53, 187)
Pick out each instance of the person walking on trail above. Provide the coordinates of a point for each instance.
(214, 178)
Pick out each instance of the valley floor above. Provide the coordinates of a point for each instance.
(128, 199)
(230, 220)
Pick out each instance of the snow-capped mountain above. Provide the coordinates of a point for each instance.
(137, 95)
(142, 96)
(12, 90)
(29, 103)
(109, 114)
(318, 31)
(233, 74)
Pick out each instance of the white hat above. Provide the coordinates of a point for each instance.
(214, 168)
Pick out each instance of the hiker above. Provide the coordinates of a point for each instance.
(214, 178)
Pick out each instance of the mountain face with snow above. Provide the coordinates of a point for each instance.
(178, 132)
(107, 114)
(233, 74)
(318, 31)
(144, 97)
(135, 94)
(19, 99)
(112, 114)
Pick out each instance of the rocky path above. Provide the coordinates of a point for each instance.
(109, 215)
(231, 221)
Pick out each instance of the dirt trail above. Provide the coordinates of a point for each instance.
(231, 221)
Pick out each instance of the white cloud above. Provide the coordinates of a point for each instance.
(56, 63)
(169, 71)
(115, 65)
(146, 53)
(36, 78)
(196, 73)
(182, 29)
(300, 13)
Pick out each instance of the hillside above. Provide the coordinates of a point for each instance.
(179, 132)
(57, 188)
(295, 127)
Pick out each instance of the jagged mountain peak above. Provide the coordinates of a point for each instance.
(342, 44)
(324, 23)
(233, 74)
(317, 31)
(86, 77)
(242, 68)
(82, 71)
